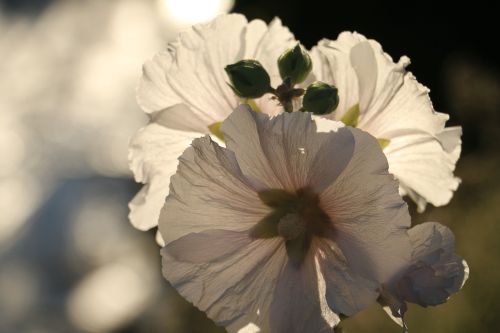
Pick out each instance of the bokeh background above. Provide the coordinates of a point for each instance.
(69, 259)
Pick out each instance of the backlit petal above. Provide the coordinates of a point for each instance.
(226, 274)
(153, 159)
(288, 151)
(191, 70)
(209, 192)
(395, 107)
(369, 217)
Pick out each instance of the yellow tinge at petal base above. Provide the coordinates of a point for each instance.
(350, 118)
(215, 130)
(383, 142)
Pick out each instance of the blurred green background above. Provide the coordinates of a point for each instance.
(69, 260)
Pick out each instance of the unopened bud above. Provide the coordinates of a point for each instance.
(320, 98)
(295, 64)
(248, 79)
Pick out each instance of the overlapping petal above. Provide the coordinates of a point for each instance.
(435, 272)
(191, 71)
(287, 152)
(151, 165)
(370, 218)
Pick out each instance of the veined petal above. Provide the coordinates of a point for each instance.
(191, 71)
(287, 151)
(346, 292)
(299, 303)
(424, 166)
(369, 217)
(434, 275)
(434, 245)
(153, 159)
(226, 274)
(209, 191)
(332, 65)
(180, 117)
(215, 260)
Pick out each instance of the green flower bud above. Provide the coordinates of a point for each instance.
(295, 64)
(248, 79)
(320, 98)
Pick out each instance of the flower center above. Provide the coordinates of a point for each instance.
(296, 217)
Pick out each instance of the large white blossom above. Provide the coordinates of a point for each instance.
(287, 227)
(295, 222)
(185, 91)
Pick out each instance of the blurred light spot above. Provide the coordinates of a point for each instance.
(186, 12)
(19, 290)
(12, 150)
(99, 232)
(20, 195)
(108, 298)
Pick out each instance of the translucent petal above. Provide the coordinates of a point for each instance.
(209, 192)
(393, 106)
(191, 70)
(153, 159)
(368, 215)
(234, 285)
(287, 151)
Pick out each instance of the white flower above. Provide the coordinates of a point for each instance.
(185, 91)
(393, 106)
(287, 227)
(434, 274)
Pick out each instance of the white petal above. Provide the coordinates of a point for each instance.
(434, 275)
(299, 301)
(233, 286)
(368, 215)
(180, 117)
(153, 157)
(207, 246)
(332, 65)
(433, 245)
(346, 292)
(209, 192)
(365, 65)
(191, 71)
(423, 166)
(428, 239)
(287, 151)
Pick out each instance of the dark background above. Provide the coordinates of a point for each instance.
(454, 51)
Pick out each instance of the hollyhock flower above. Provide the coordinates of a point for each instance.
(434, 273)
(380, 97)
(287, 227)
(185, 90)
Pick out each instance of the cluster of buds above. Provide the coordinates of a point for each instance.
(249, 79)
